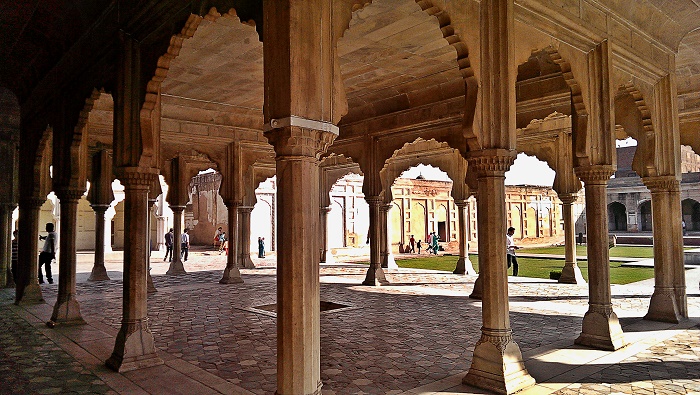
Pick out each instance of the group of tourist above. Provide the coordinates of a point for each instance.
(184, 245)
(433, 246)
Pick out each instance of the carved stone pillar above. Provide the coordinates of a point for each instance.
(464, 265)
(298, 286)
(601, 328)
(6, 245)
(231, 274)
(388, 260)
(99, 272)
(497, 363)
(323, 225)
(477, 292)
(664, 306)
(375, 273)
(150, 287)
(244, 232)
(571, 273)
(28, 290)
(176, 266)
(134, 347)
(66, 311)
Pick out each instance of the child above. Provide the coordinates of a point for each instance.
(418, 245)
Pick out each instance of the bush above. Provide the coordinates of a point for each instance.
(554, 275)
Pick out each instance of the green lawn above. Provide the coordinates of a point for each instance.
(619, 251)
(529, 267)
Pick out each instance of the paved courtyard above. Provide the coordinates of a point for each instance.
(412, 337)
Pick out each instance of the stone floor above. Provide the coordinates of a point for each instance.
(415, 336)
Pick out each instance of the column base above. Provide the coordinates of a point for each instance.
(134, 348)
(663, 307)
(231, 276)
(497, 364)
(375, 277)
(464, 266)
(477, 292)
(67, 312)
(99, 273)
(316, 392)
(391, 262)
(248, 263)
(176, 267)
(31, 295)
(601, 330)
(150, 287)
(330, 259)
(571, 274)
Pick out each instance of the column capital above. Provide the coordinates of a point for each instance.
(493, 162)
(100, 207)
(136, 177)
(461, 203)
(69, 193)
(325, 210)
(662, 184)
(595, 174)
(178, 209)
(232, 204)
(245, 209)
(300, 141)
(373, 200)
(568, 197)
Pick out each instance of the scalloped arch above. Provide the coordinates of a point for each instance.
(644, 158)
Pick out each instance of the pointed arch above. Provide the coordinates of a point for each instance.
(638, 125)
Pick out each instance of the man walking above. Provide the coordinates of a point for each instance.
(185, 244)
(510, 250)
(412, 243)
(48, 253)
(169, 245)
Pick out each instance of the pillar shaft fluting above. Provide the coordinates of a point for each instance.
(28, 290)
(323, 225)
(231, 273)
(134, 347)
(150, 287)
(601, 328)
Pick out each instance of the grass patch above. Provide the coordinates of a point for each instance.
(619, 251)
(531, 267)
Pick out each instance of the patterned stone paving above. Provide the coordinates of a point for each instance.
(392, 339)
(33, 364)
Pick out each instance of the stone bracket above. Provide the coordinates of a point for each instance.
(294, 120)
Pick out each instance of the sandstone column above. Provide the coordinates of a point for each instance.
(388, 260)
(134, 347)
(326, 256)
(100, 197)
(231, 274)
(477, 292)
(375, 273)
(664, 193)
(66, 311)
(464, 265)
(497, 363)
(28, 290)
(150, 287)
(136, 147)
(6, 245)
(99, 272)
(176, 266)
(298, 287)
(601, 328)
(244, 232)
(571, 273)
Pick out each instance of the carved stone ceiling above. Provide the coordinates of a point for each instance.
(688, 73)
(393, 49)
(222, 64)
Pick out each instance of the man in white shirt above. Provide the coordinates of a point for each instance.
(48, 253)
(510, 250)
(185, 244)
